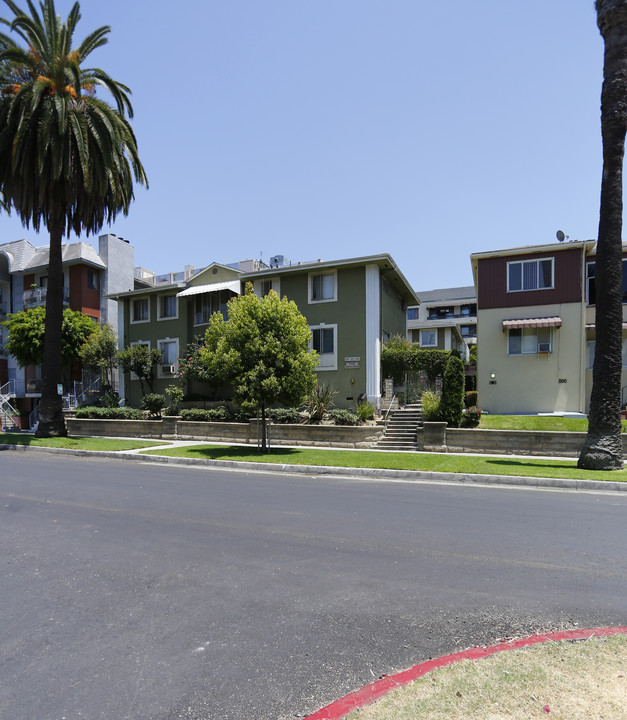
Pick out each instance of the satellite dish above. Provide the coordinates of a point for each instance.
(560, 236)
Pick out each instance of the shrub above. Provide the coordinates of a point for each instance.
(102, 413)
(430, 406)
(344, 417)
(219, 414)
(285, 416)
(175, 398)
(471, 398)
(452, 403)
(471, 417)
(109, 400)
(154, 403)
(365, 410)
(319, 400)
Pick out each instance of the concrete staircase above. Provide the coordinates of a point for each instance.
(400, 432)
(8, 413)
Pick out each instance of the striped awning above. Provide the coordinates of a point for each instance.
(233, 285)
(533, 322)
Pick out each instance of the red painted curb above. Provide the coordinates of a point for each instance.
(340, 708)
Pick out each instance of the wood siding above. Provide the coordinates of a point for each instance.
(492, 281)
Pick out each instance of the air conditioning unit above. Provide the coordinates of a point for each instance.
(168, 369)
(544, 347)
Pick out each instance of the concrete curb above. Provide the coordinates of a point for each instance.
(367, 695)
(373, 473)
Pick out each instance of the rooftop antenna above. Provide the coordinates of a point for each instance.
(560, 236)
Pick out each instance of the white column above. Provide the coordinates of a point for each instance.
(373, 334)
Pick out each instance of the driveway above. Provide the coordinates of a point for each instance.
(150, 592)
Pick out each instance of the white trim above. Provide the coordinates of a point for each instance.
(310, 278)
(133, 301)
(275, 284)
(373, 333)
(332, 362)
(169, 317)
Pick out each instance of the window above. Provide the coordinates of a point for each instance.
(529, 341)
(168, 307)
(146, 343)
(169, 349)
(263, 286)
(591, 282)
(439, 313)
(322, 287)
(530, 275)
(428, 338)
(140, 310)
(92, 280)
(468, 330)
(412, 313)
(468, 310)
(324, 342)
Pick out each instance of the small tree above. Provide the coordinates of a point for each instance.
(263, 350)
(140, 360)
(26, 335)
(452, 403)
(100, 353)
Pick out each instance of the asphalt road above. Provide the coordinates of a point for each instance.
(134, 591)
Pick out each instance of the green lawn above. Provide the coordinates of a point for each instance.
(533, 422)
(430, 462)
(77, 443)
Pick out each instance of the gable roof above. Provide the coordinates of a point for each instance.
(389, 268)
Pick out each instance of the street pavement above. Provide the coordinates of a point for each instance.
(158, 592)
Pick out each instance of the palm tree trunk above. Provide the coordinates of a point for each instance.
(603, 449)
(51, 420)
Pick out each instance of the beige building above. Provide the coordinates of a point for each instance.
(536, 328)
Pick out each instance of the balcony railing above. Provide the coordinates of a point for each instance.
(451, 315)
(37, 296)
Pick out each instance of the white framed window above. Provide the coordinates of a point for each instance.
(167, 307)
(413, 313)
(263, 286)
(324, 342)
(530, 275)
(140, 310)
(429, 338)
(169, 349)
(529, 341)
(323, 287)
(133, 344)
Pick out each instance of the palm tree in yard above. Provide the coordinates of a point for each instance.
(603, 449)
(67, 157)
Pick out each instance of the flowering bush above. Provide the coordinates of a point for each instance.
(471, 416)
(191, 366)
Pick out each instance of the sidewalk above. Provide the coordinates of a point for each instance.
(369, 473)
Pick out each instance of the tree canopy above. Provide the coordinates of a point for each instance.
(100, 353)
(263, 350)
(67, 157)
(26, 335)
(141, 361)
(400, 356)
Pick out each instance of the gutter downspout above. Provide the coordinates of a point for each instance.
(582, 345)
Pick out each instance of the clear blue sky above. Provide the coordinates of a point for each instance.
(340, 128)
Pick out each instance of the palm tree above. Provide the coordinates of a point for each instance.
(67, 158)
(603, 449)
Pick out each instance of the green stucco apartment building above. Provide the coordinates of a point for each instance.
(352, 306)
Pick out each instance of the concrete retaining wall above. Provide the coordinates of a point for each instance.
(501, 442)
(174, 428)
